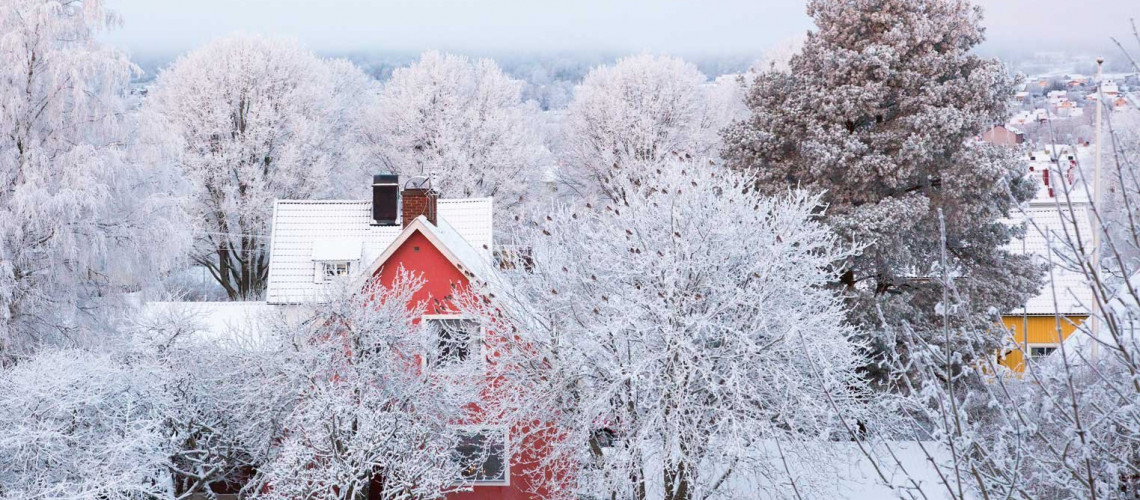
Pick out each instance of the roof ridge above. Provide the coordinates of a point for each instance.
(441, 200)
(279, 200)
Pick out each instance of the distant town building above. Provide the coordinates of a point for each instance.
(1078, 80)
(1003, 136)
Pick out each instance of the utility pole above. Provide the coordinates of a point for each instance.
(1095, 327)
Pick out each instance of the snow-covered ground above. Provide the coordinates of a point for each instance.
(841, 471)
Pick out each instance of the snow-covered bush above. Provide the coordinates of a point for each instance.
(79, 424)
(367, 417)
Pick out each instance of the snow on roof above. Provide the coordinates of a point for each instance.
(337, 250)
(476, 264)
(1049, 224)
(306, 231)
(476, 260)
(1065, 161)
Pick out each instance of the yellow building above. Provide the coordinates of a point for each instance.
(1039, 327)
(1044, 335)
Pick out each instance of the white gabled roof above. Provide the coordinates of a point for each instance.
(1049, 224)
(304, 229)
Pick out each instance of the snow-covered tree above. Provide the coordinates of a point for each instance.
(248, 120)
(80, 221)
(692, 331)
(369, 421)
(463, 120)
(879, 110)
(77, 424)
(639, 112)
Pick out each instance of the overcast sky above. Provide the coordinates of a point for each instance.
(154, 27)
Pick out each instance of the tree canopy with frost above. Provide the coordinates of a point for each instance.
(692, 330)
(880, 110)
(80, 220)
(464, 120)
(249, 120)
(368, 420)
(639, 112)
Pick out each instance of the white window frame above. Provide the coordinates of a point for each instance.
(476, 348)
(506, 432)
(322, 267)
(1029, 349)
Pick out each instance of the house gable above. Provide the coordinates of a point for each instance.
(415, 252)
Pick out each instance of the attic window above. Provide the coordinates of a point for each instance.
(334, 259)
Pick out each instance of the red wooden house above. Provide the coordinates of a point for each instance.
(448, 242)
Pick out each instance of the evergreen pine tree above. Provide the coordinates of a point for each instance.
(881, 110)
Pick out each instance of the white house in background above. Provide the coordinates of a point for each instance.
(1061, 207)
(1056, 97)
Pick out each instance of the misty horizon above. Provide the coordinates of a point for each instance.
(505, 28)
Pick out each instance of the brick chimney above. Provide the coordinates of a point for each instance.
(418, 198)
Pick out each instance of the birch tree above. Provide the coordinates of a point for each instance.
(80, 222)
(638, 112)
(250, 120)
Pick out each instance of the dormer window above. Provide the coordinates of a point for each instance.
(333, 259)
(334, 270)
